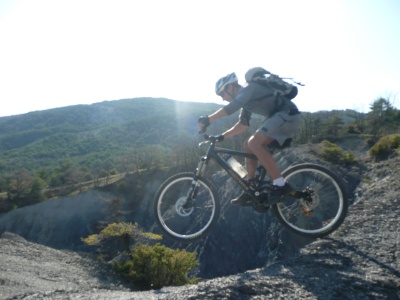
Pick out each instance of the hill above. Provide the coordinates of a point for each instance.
(359, 261)
(94, 135)
(47, 154)
(105, 136)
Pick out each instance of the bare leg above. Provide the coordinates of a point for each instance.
(251, 164)
(256, 145)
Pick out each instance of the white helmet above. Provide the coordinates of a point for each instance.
(220, 85)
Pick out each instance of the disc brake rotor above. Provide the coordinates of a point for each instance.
(180, 210)
(310, 202)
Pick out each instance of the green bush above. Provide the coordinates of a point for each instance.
(153, 267)
(385, 146)
(353, 129)
(331, 152)
(395, 139)
(334, 154)
(122, 234)
(350, 158)
(371, 141)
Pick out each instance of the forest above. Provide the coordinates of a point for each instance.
(51, 153)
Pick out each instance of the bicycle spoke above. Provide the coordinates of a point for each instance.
(181, 222)
(322, 210)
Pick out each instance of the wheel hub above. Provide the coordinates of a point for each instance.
(311, 201)
(180, 210)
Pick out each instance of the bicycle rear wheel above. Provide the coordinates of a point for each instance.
(183, 217)
(321, 209)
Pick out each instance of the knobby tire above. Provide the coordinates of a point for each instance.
(181, 223)
(321, 214)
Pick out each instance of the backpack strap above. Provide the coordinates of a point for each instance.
(280, 102)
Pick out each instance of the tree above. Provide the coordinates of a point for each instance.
(333, 125)
(359, 125)
(36, 192)
(381, 116)
(20, 183)
(310, 128)
(104, 174)
(185, 151)
(380, 108)
(152, 157)
(43, 174)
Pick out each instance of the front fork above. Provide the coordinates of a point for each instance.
(194, 187)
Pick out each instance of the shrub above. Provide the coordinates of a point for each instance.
(385, 146)
(331, 152)
(36, 193)
(367, 180)
(127, 233)
(395, 141)
(153, 267)
(371, 141)
(350, 158)
(353, 129)
(334, 154)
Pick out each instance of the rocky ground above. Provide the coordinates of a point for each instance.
(361, 260)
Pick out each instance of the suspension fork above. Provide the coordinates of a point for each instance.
(192, 193)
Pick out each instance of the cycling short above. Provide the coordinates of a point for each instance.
(281, 126)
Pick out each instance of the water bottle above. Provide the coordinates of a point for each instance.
(236, 166)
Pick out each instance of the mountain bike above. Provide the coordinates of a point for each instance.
(187, 205)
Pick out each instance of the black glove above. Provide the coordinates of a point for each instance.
(219, 138)
(205, 121)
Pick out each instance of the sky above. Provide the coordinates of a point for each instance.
(56, 53)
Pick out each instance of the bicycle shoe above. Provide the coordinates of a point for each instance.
(243, 200)
(277, 192)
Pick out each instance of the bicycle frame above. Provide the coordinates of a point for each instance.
(214, 152)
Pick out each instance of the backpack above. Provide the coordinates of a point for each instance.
(278, 84)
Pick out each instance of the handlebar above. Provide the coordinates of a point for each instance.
(213, 138)
(209, 137)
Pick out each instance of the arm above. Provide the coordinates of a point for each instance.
(241, 125)
(205, 121)
(238, 128)
(217, 115)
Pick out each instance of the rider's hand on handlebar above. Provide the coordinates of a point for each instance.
(214, 139)
(219, 138)
(204, 122)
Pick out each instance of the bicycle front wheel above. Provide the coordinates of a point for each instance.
(186, 210)
(322, 207)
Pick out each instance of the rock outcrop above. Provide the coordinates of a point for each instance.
(361, 260)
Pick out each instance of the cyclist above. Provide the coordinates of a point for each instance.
(283, 119)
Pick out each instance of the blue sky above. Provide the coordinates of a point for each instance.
(56, 53)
